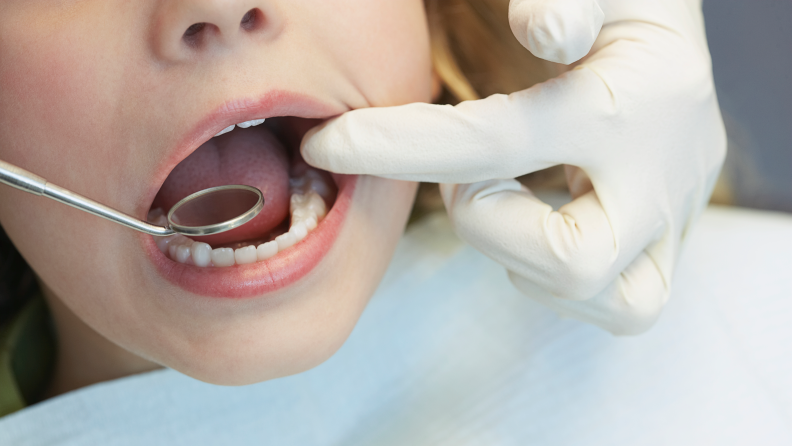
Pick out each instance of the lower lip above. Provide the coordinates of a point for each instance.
(245, 281)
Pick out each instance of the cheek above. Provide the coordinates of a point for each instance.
(385, 48)
(54, 123)
(57, 115)
(76, 254)
(59, 120)
(314, 319)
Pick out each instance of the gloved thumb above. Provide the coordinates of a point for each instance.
(560, 31)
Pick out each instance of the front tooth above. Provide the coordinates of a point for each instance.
(178, 240)
(155, 215)
(300, 231)
(226, 130)
(310, 223)
(172, 249)
(302, 214)
(286, 240)
(267, 250)
(316, 203)
(201, 254)
(183, 254)
(311, 201)
(246, 124)
(163, 242)
(223, 257)
(246, 255)
(297, 201)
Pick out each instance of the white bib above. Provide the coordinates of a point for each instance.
(449, 353)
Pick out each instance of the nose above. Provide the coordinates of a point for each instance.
(184, 28)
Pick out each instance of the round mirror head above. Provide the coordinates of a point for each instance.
(216, 210)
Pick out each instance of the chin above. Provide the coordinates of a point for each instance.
(281, 294)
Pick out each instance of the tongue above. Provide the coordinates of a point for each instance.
(253, 157)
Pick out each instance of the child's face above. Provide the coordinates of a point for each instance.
(106, 97)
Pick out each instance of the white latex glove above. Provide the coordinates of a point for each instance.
(638, 118)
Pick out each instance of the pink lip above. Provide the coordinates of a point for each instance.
(272, 104)
(243, 281)
(286, 268)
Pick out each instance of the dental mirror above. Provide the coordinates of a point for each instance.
(207, 212)
(215, 210)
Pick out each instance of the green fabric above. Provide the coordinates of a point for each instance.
(27, 357)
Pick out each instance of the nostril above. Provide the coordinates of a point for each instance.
(251, 20)
(194, 29)
(199, 34)
(193, 34)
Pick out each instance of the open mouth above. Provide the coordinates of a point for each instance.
(304, 209)
(263, 154)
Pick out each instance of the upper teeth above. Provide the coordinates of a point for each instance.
(242, 125)
(246, 124)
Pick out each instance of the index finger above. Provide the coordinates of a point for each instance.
(494, 138)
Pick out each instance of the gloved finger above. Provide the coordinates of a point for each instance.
(494, 138)
(629, 305)
(572, 253)
(587, 117)
(561, 31)
(578, 182)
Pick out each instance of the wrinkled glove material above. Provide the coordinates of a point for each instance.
(637, 124)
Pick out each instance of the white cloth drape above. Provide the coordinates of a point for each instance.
(448, 353)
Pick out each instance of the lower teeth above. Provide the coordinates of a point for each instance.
(307, 209)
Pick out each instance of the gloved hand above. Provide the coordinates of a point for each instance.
(639, 121)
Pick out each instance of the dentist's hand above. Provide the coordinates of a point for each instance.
(638, 119)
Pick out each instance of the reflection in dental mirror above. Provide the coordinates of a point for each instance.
(215, 210)
(210, 211)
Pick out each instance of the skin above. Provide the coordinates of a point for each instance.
(95, 95)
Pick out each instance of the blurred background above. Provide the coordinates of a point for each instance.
(751, 46)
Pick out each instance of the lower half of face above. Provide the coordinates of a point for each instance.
(272, 298)
(236, 324)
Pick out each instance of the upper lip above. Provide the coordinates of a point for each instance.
(274, 103)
